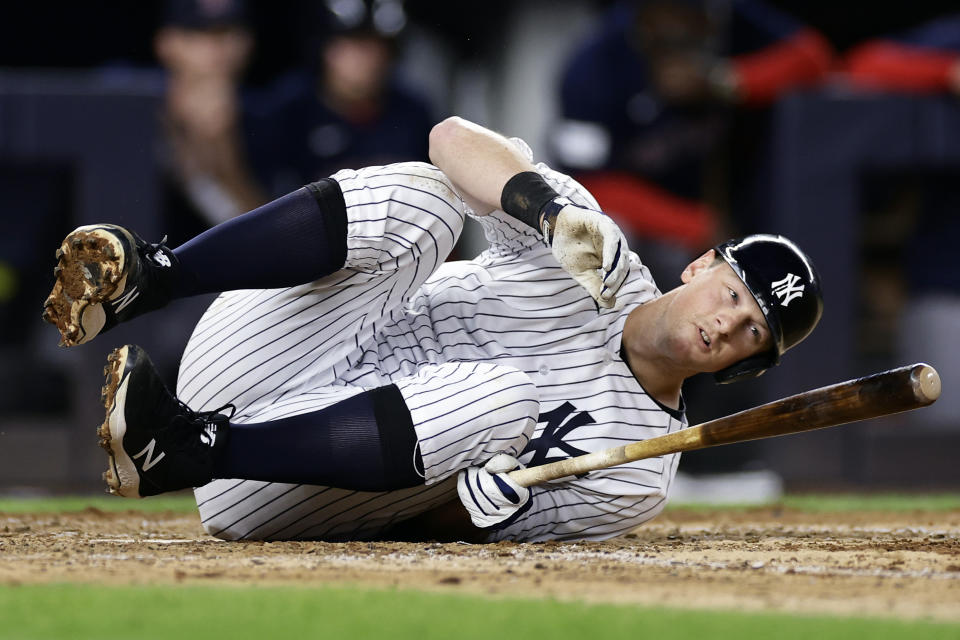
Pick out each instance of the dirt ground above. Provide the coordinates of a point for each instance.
(905, 565)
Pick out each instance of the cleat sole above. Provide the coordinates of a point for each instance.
(113, 373)
(90, 263)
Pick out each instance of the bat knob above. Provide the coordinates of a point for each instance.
(926, 383)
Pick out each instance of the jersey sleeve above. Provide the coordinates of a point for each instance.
(506, 235)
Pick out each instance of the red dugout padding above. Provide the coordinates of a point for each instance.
(648, 211)
(802, 59)
(880, 64)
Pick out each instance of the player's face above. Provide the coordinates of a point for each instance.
(714, 321)
(355, 67)
(206, 53)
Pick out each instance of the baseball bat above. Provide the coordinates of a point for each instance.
(880, 394)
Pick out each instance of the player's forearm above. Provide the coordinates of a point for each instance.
(477, 160)
(492, 172)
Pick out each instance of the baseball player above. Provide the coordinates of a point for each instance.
(349, 379)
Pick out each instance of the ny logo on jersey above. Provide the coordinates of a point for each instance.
(787, 289)
(552, 437)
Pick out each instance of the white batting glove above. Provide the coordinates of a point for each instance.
(591, 248)
(488, 493)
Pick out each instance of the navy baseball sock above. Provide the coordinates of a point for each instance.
(293, 240)
(366, 443)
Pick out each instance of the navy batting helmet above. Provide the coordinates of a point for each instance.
(384, 18)
(204, 15)
(785, 284)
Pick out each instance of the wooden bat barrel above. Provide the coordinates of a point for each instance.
(880, 394)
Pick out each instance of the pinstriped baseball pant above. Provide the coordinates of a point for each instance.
(280, 352)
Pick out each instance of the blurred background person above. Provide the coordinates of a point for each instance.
(649, 99)
(204, 47)
(349, 106)
(231, 148)
(923, 61)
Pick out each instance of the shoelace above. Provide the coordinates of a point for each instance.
(199, 420)
(151, 249)
(159, 278)
(207, 417)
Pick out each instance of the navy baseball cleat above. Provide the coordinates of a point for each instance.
(155, 442)
(106, 274)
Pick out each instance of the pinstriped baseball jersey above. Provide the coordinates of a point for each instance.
(505, 352)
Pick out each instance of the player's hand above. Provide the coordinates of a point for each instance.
(488, 493)
(592, 249)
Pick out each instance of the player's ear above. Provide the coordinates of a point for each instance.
(700, 264)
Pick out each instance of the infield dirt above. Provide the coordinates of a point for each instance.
(904, 565)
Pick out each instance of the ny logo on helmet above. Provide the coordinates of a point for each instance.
(787, 289)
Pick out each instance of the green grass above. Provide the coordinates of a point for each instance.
(179, 503)
(78, 612)
(183, 612)
(814, 503)
(823, 503)
(878, 502)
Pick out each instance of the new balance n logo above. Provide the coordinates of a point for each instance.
(124, 300)
(787, 289)
(149, 461)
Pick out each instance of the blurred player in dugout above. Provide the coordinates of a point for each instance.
(648, 99)
(923, 61)
(230, 150)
